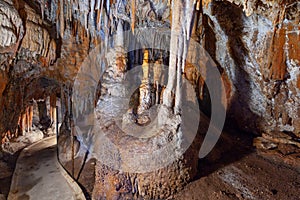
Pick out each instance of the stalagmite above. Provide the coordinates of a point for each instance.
(61, 18)
(145, 93)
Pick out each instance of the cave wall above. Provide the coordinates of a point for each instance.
(28, 48)
(258, 51)
(256, 43)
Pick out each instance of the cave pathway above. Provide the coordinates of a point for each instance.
(39, 176)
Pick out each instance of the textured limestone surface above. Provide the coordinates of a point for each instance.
(255, 45)
(259, 52)
(11, 27)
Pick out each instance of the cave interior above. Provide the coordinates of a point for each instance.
(150, 99)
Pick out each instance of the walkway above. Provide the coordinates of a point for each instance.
(39, 176)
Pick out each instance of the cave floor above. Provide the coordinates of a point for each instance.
(236, 170)
(233, 170)
(252, 177)
(38, 175)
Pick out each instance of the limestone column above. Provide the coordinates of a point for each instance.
(157, 79)
(23, 122)
(53, 109)
(145, 93)
(30, 117)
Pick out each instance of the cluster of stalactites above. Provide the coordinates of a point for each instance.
(93, 14)
(63, 13)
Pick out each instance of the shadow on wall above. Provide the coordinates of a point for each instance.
(236, 142)
(230, 18)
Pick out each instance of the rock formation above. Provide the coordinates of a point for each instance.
(44, 46)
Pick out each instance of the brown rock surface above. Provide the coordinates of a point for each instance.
(255, 45)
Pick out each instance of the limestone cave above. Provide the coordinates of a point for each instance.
(149, 99)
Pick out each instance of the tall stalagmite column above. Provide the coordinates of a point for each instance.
(145, 93)
(157, 166)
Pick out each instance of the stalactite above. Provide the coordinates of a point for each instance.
(92, 4)
(98, 22)
(195, 32)
(181, 26)
(53, 9)
(182, 52)
(188, 15)
(57, 17)
(175, 30)
(85, 15)
(84, 8)
(61, 18)
(99, 15)
(98, 4)
(133, 8)
(71, 11)
(43, 8)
